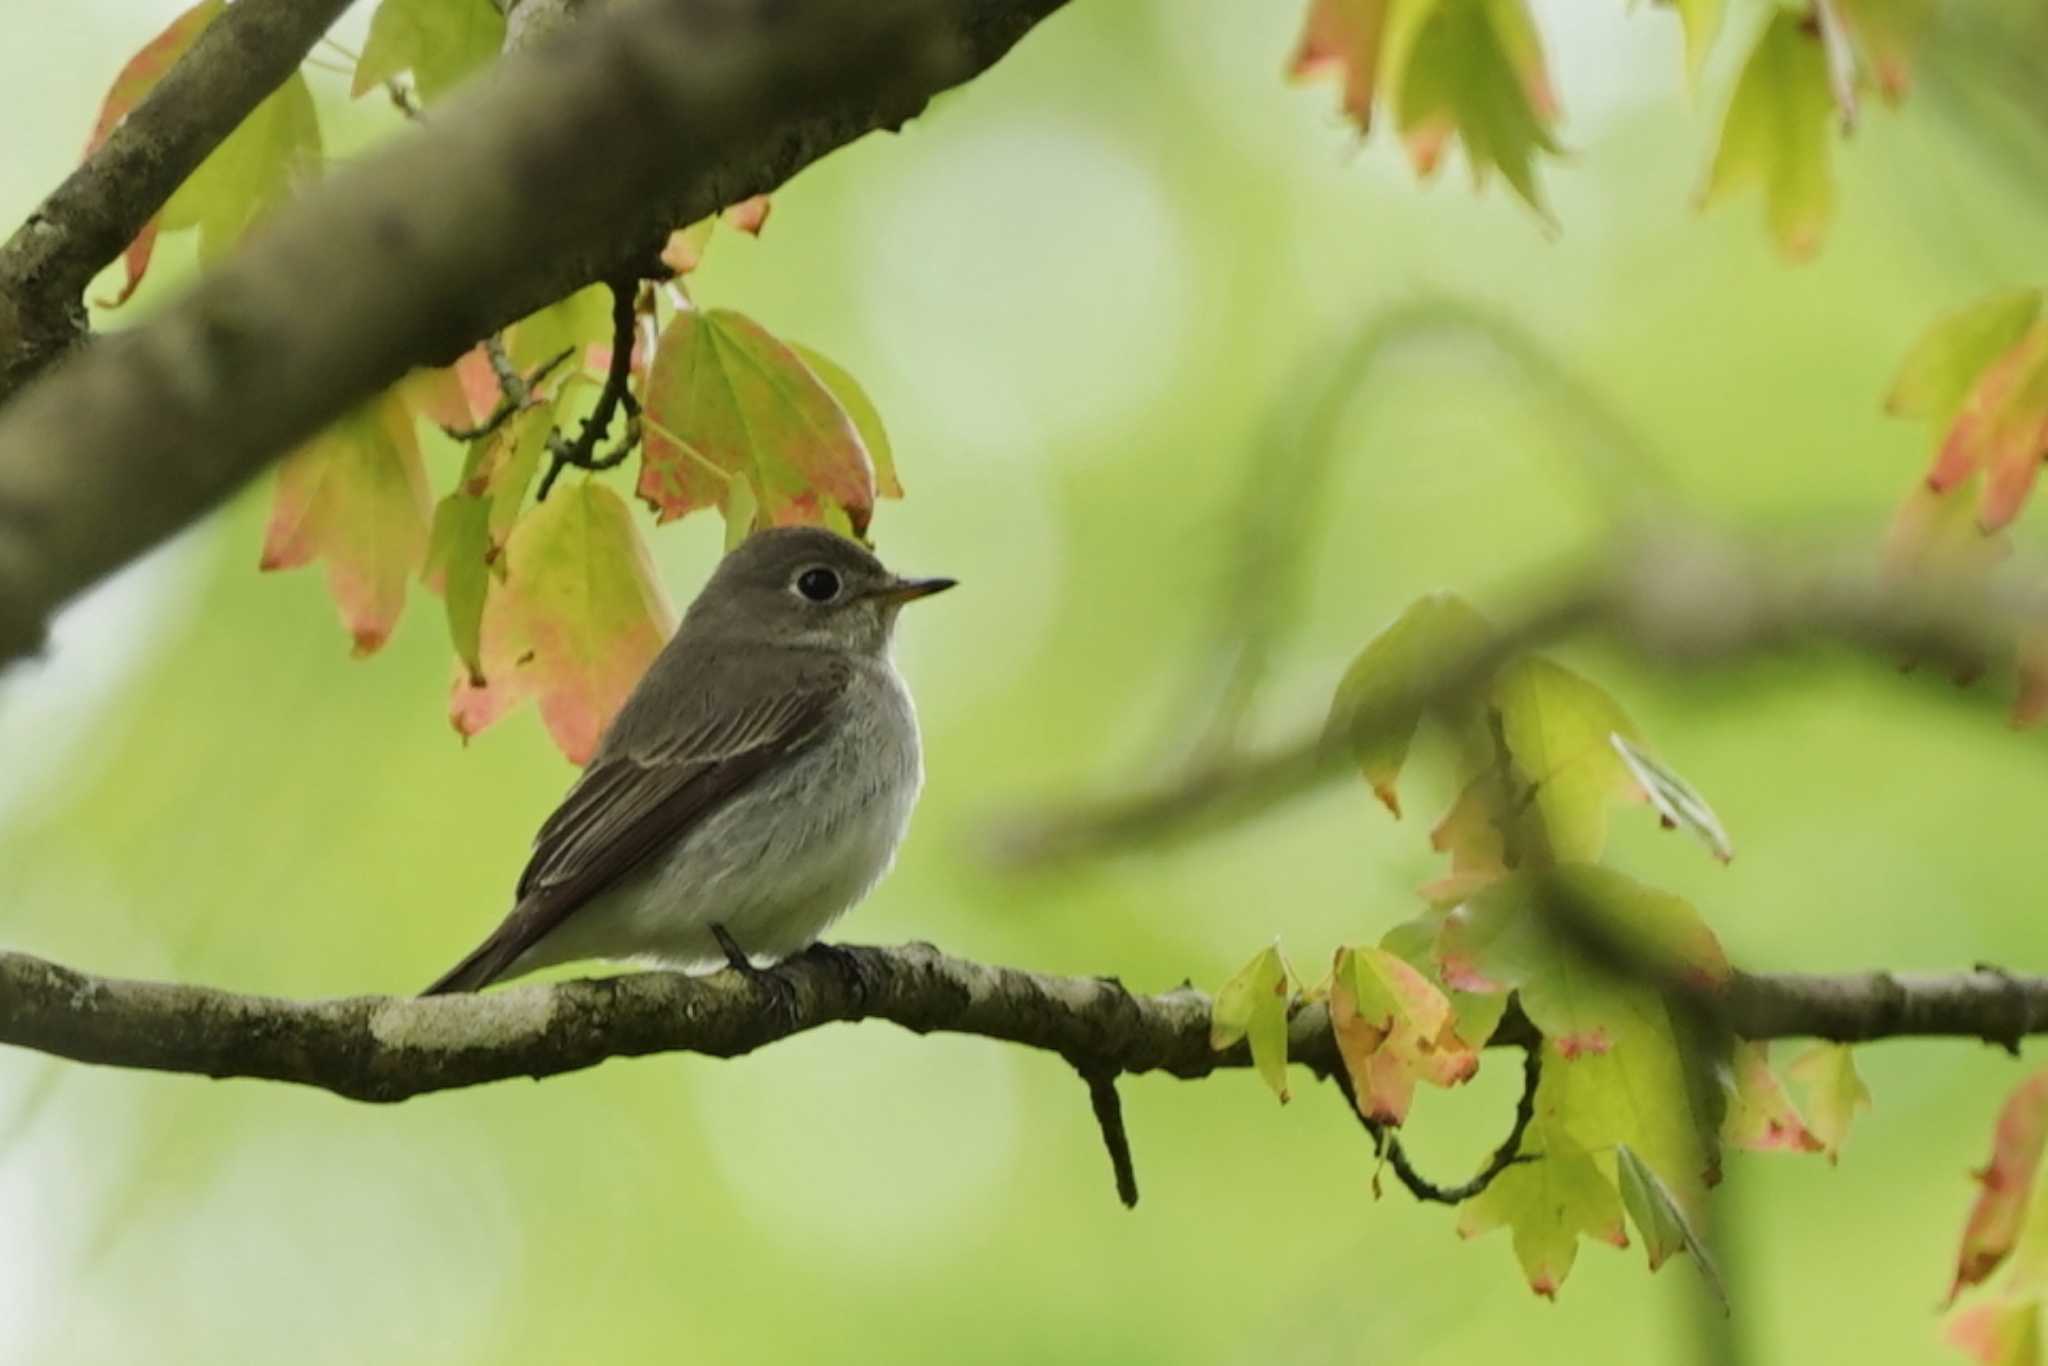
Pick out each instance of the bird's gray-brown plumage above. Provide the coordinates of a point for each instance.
(758, 778)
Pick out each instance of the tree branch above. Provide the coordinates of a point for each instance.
(1675, 597)
(568, 163)
(89, 219)
(382, 1048)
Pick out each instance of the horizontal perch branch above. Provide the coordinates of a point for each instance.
(382, 1048)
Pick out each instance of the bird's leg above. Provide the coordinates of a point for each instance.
(848, 964)
(774, 982)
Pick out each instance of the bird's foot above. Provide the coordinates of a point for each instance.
(850, 967)
(768, 979)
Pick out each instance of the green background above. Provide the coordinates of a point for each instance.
(1094, 295)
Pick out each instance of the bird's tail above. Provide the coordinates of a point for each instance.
(482, 966)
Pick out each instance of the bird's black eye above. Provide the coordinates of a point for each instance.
(819, 584)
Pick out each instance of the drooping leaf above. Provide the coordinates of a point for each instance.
(1474, 70)
(251, 172)
(1778, 134)
(1525, 932)
(458, 568)
(1675, 800)
(575, 623)
(1559, 729)
(2001, 429)
(355, 497)
(1549, 1203)
(2007, 1184)
(1833, 1093)
(439, 41)
(1341, 38)
(135, 80)
(1947, 360)
(1760, 1115)
(1375, 710)
(867, 420)
(1393, 1027)
(726, 401)
(1660, 1221)
(1253, 1005)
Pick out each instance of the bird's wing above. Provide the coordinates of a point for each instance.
(631, 803)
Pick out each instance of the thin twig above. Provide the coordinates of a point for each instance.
(1387, 1143)
(617, 394)
(1109, 1117)
(516, 390)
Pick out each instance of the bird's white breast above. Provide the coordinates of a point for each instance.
(778, 863)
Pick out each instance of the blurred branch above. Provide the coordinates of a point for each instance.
(89, 219)
(562, 167)
(384, 1048)
(1676, 598)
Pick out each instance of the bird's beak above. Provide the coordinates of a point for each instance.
(910, 590)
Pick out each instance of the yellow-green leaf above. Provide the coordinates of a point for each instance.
(1559, 728)
(1474, 70)
(439, 41)
(1253, 1005)
(252, 171)
(458, 565)
(1947, 360)
(1661, 1222)
(1514, 936)
(1549, 1203)
(1833, 1091)
(1778, 134)
(1378, 707)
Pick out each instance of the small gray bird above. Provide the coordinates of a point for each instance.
(753, 787)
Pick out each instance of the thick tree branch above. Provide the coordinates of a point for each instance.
(381, 1048)
(567, 164)
(88, 220)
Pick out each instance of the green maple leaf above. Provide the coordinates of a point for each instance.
(1372, 712)
(355, 497)
(251, 172)
(1513, 935)
(1778, 133)
(1549, 1203)
(1253, 1005)
(1471, 69)
(440, 42)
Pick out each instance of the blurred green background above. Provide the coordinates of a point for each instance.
(1094, 294)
